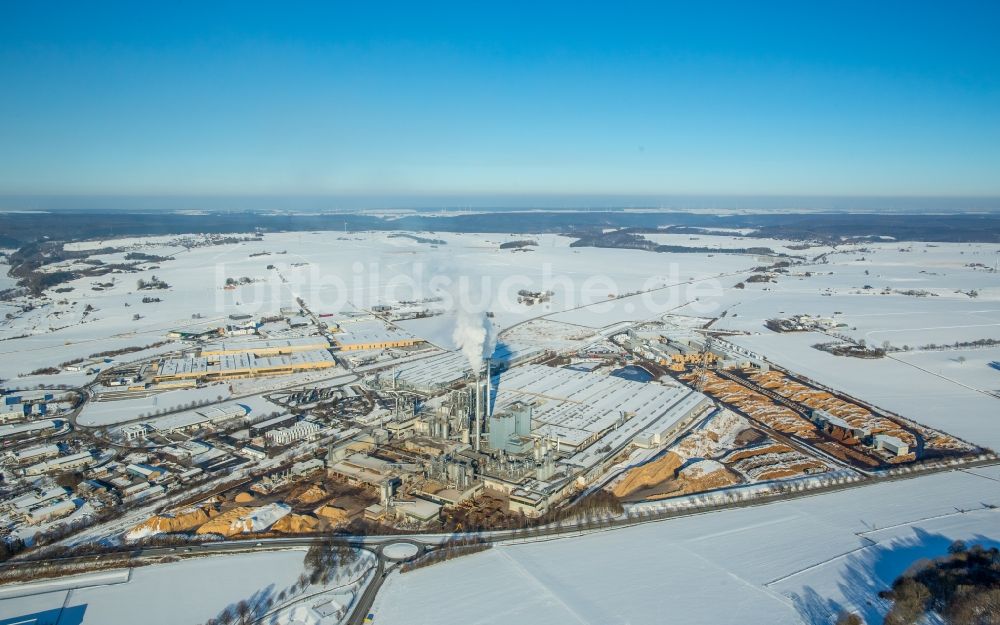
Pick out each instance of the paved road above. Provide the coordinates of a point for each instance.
(364, 603)
(373, 544)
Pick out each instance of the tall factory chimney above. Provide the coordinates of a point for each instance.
(488, 408)
(478, 409)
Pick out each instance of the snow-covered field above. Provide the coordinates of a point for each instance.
(187, 592)
(98, 413)
(793, 562)
(335, 272)
(970, 367)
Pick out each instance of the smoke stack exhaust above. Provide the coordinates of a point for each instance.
(488, 409)
(479, 411)
(475, 335)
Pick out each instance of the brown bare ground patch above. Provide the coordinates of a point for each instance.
(749, 436)
(649, 474)
(790, 471)
(847, 454)
(775, 448)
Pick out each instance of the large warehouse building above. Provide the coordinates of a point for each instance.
(588, 419)
(372, 335)
(240, 365)
(577, 408)
(429, 375)
(274, 347)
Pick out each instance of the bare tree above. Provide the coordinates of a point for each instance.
(345, 553)
(243, 612)
(226, 616)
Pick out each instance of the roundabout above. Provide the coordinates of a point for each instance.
(400, 551)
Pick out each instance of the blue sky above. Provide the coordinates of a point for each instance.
(500, 99)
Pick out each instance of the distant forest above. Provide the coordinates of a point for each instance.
(17, 229)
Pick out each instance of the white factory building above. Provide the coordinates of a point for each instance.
(428, 374)
(576, 408)
(41, 505)
(588, 419)
(65, 463)
(32, 428)
(287, 435)
(34, 454)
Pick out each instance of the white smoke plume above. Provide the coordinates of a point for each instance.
(475, 336)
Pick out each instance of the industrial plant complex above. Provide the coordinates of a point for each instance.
(403, 417)
(426, 438)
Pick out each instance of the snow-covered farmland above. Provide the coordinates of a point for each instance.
(800, 561)
(98, 413)
(190, 591)
(970, 367)
(335, 272)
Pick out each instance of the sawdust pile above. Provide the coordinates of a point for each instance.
(310, 495)
(243, 519)
(169, 523)
(295, 524)
(227, 523)
(333, 515)
(702, 475)
(649, 474)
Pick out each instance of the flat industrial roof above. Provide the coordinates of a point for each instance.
(438, 370)
(245, 360)
(33, 499)
(27, 428)
(273, 421)
(299, 343)
(370, 332)
(574, 406)
(40, 450)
